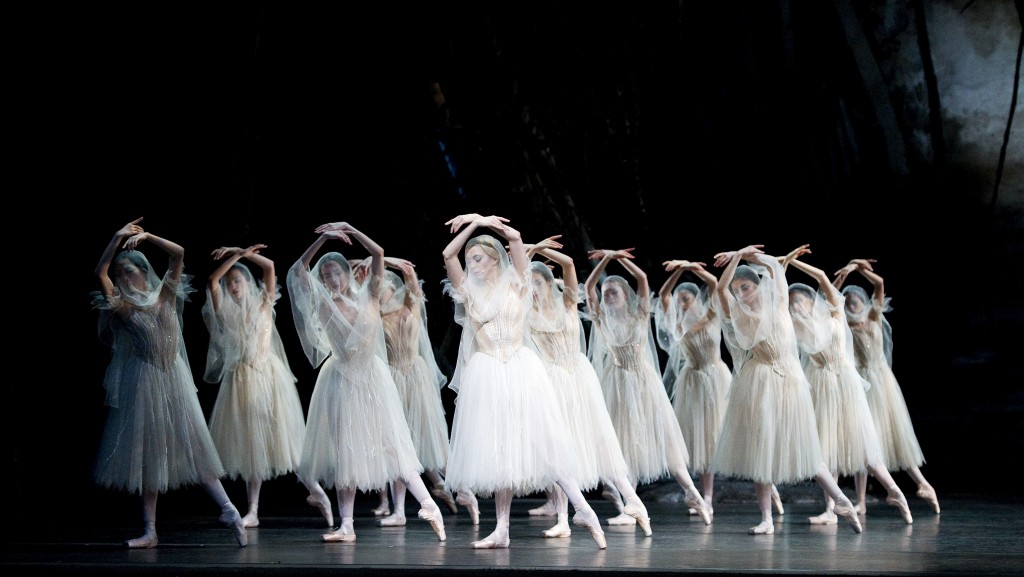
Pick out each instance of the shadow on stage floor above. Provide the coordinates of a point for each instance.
(972, 536)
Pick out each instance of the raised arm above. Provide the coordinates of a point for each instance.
(175, 252)
(231, 255)
(643, 287)
(824, 284)
(103, 267)
(547, 249)
(603, 257)
(675, 268)
(408, 270)
(351, 232)
(465, 225)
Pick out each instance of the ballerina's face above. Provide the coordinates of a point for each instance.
(236, 283)
(854, 305)
(541, 288)
(685, 300)
(480, 264)
(335, 278)
(129, 275)
(799, 304)
(744, 290)
(612, 295)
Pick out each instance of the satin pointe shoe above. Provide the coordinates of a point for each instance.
(431, 513)
(639, 512)
(846, 511)
(323, 504)
(927, 492)
(233, 520)
(343, 534)
(589, 520)
(441, 494)
(468, 500)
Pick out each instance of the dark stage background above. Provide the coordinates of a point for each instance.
(681, 129)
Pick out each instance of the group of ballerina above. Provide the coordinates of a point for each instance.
(542, 405)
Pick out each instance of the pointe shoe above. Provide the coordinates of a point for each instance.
(927, 492)
(442, 495)
(468, 500)
(344, 534)
(777, 501)
(393, 520)
(492, 541)
(589, 520)
(698, 505)
(622, 519)
(382, 511)
(546, 510)
(323, 504)
(900, 503)
(861, 508)
(826, 518)
(639, 512)
(250, 520)
(762, 528)
(431, 513)
(850, 514)
(561, 529)
(233, 520)
(147, 541)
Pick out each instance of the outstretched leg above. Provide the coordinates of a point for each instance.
(634, 507)
(843, 507)
(229, 515)
(896, 498)
(692, 496)
(429, 511)
(319, 499)
(585, 515)
(924, 488)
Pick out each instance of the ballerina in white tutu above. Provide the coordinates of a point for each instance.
(155, 438)
(356, 437)
(849, 442)
(769, 434)
(557, 330)
(696, 377)
(419, 381)
(872, 347)
(257, 422)
(624, 357)
(508, 435)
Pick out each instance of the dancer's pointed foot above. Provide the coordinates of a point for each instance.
(250, 520)
(777, 501)
(589, 520)
(444, 496)
(323, 504)
(622, 519)
(639, 512)
(147, 541)
(927, 492)
(846, 511)
(694, 500)
(468, 500)
(900, 502)
(763, 528)
(561, 529)
(392, 520)
(343, 534)
(826, 518)
(496, 540)
(548, 509)
(233, 520)
(431, 513)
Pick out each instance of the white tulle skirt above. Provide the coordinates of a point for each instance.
(257, 422)
(595, 444)
(699, 398)
(645, 423)
(900, 447)
(424, 413)
(769, 434)
(156, 439)
(846, 430)
(356, 434)
(507, 430)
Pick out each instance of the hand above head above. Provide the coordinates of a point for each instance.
(550, 242)
(134, 240)
(799, 252)
(463, 219)
(862, 263)
(224, 251)
(254, 249)
(132, 228)
(723, 258)
(332, 226)
(336, 234)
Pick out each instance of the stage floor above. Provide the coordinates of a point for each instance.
(977, 536)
